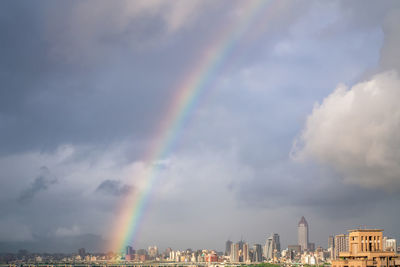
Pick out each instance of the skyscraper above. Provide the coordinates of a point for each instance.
(129, 250)
(268, 248)
(331, 246)
(82, 253)
(331, 241)
(241, 242)
(245, 252)
(257, 253)
(341, 244)
(277, 243)
(272, 247)
(234, 252)
(302, 233)
(228, 245)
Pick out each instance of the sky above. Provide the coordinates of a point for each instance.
(300, 118)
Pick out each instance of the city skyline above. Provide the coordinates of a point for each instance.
(187, 123)
(364, 246)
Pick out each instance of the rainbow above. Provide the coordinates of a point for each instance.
(184, 101)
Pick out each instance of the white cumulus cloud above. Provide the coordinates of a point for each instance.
(356, 131)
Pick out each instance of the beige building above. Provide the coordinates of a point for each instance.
(245, 252)
(365, 250)
(341, 245)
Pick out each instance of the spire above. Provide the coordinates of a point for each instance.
(303, 221)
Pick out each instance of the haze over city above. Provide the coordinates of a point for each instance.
(184, 124)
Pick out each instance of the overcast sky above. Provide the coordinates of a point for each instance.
(301, 119)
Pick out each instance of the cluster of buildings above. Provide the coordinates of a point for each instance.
(82, 257)
(367, 247)
(302, 252)
(340, 243)
(141, 255)
(152, 254)
(189, 255)
(358, 248)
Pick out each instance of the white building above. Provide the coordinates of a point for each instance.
(389, 244)
(302, 234)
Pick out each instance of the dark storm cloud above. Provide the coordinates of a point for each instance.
(114, 188)
(307, 189)
(41, 183)
(65, 82)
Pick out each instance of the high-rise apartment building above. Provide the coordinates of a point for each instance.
(277, 243)
(228, 245)
(245, 252)
(129, 250)
(331, 241)
(241, 242)
(82, 252)
(234, 252)
(331, 246)
(272, 247)
(341, 244)
(257, 253)
(302, 233)
(268, 248)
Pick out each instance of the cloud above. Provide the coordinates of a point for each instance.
(114, 188)
(355, 131)
(88, 29)
(41, 183)
(176, 15)
(65, 231)
(390, 54)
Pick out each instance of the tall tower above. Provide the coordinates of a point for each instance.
(234, 252)
(268, 249)
(341, 244)
(277, 243)
(245, 252)
(272, 247)
(331, 246)
(302, 233)
(129, 250)
(257, 254)
(228, 245)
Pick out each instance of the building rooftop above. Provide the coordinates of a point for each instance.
(303, 221)
(365, 230)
